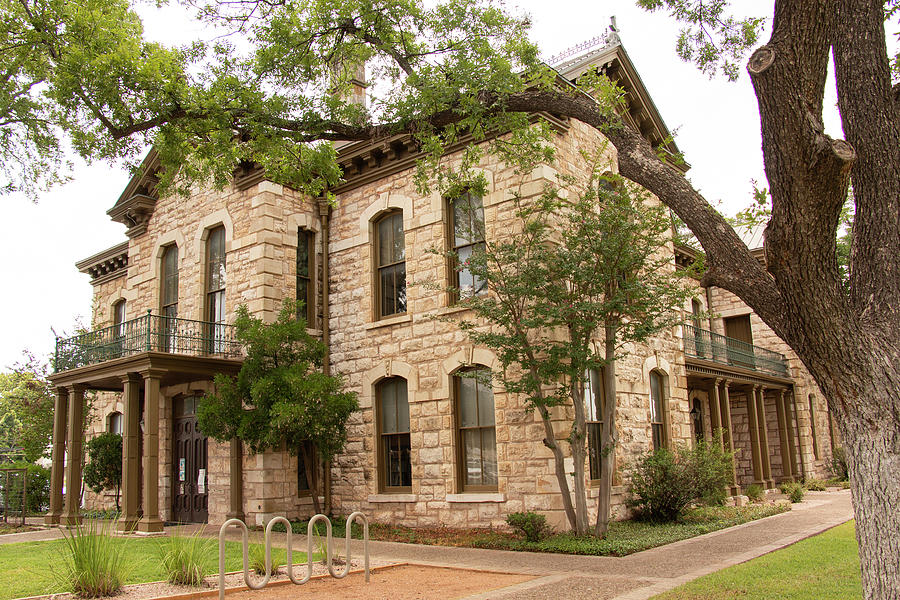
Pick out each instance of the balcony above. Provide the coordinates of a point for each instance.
(706, 345)
(149, 333)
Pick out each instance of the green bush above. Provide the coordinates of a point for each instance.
(92, 562)
(785, 487)
(104, 468)
(709, 467)
(186, 559)
(754, 492)
(839, 467)
(815, 485)
(529, 524)
(796, 494)
(661, 486)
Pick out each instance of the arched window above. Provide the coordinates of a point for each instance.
(390, 261)
(476, 432)
(594, 407)
(119, 318)
(119, 344)
(215, 288)
(657, 410)
(466, 237)
(392, 413)
(305, 269)
(169, 296)
(114, 423)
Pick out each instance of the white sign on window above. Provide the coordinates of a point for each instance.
(201, 481)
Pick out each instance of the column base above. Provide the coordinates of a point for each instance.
(69, 520)
(127, 524)
(770, 484)
(150, 526)
(51, 519)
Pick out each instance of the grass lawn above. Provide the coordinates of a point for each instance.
(625, 537)
(24, 569)
(823, 567)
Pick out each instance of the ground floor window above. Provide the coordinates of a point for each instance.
(476, 430)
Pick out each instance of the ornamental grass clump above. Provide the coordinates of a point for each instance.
(257, 556)
(92, 562)
(186, 559)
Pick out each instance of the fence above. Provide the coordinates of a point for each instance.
(707, 345)
(13, 492)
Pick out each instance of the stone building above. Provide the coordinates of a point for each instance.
(427, 446)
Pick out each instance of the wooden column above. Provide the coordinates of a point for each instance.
(58, 456)
(236, 480)
(764, 439)
(72, 514)
(755, 453)
(783, 428)
(130, 468)
(150, 521)
(795, 417)
(715, 416)
(729, 432)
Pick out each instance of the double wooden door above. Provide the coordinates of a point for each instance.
(190, 498)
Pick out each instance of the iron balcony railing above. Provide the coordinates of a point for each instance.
(149, 333)
(701, 343)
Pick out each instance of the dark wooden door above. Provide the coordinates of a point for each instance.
(740, 348)
(190, 499)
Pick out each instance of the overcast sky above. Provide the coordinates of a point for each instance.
(716, 124)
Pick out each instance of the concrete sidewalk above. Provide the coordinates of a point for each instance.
(568, 577)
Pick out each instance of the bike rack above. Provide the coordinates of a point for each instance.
(310, 533)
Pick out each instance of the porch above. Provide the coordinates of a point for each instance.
(138, 358)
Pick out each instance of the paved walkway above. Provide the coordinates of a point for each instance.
(635, 577)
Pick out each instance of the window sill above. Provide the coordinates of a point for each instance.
(407, 318)
(384, 498)
(477, 497)
(453, 309)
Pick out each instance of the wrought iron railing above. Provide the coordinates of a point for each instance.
(149, 333)
(701, 343)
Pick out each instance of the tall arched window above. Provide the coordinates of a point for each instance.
(466, 237)
(475, 431)
(215, 288)
(119, 343)
(305, 269)
(657, 410)
(169, 295)
(390, 260)
(394, 466)
(594, 405)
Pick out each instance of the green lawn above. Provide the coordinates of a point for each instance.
(823, 567)
(24, 567)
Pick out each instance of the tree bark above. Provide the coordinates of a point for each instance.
(577, 441)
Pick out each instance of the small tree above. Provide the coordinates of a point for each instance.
(280, 397)
(591, 263)
(103, 470)
(26, 410)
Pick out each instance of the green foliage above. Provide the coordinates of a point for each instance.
(280, 396)
(531, 525)
(103, 470)
(26, 410)
(91, 563)
(793, 490)
(840, 468)
(754, 492)
(37, 492)
(815, 485)
(709, 467)
(186, 559)
(661, 486)
(257, 555)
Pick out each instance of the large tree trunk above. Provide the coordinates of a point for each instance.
(578, 441)
(559, 465)
(609, 436)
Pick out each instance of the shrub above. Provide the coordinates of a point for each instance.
(785, 487)
(754, 492)
(709, 467)
(257, 556)
(661, 486)
(529, 524)
(186, 558)
(815, 485)
(839, 466)
(92, 563)
(104, 468)
(796, 494)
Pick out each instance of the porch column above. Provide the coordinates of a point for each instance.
(729, 444)
(714, 416)
(150, 521)
(58, 456)
(783, 428)
(131, 417)
(756, 460)
(236, 480)
(764, 439)
(72, 513)
(795, 417)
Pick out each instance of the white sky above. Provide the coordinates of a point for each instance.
(716, 124)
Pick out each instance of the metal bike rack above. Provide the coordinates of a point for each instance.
(310, 533)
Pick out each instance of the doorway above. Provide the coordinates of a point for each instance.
(190, 497)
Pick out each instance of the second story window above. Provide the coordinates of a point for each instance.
(390, 259)
(466, 238)
(119, 318)
(305, 270)
(215, 287)
(169, 296)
